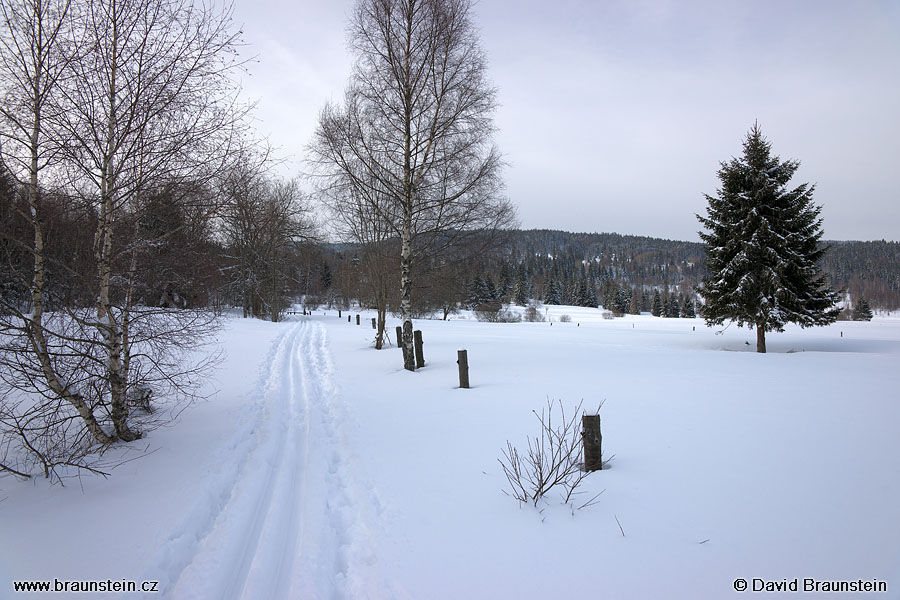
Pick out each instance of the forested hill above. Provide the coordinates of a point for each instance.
(868, 270)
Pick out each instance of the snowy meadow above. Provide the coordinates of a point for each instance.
(318, 468)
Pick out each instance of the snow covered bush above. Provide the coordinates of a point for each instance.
(553, 459)
(565, 319)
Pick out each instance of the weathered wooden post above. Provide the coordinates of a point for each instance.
(357, 319)
(399, 336)
(463, 361)
(590, 434)
(339, 313)
(420, 357)
(373, 323)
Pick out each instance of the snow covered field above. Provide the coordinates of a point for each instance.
(321, 469)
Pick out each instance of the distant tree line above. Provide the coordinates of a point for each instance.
(865, 270)
(621, 273)
(555, 261)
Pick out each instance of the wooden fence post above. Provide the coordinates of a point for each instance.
(339, 313)
(463, 361)
(373, 323)
(420, 357)
(357, 319)
(593, 439)
(348, 318)
(399, 337)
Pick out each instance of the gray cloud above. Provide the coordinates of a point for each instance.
(615, 114)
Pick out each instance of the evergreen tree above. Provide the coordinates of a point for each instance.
(571, 293)
(687, 308)
(581, 298)
(862, 312)
(762, 246)
(476, 292)
(551, 295)
(521, 291)
(673, 308)
(622, 300)
(506, 281)
(664, 303)
(634, 306)
(610, 294)
(592, 299)
(656, 304)
(490, 290)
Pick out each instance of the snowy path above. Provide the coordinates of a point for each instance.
(285, 515)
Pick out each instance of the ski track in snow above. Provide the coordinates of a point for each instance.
(286, 515)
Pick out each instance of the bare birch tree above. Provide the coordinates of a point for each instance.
(36, 58)
(151, 101)
(414, 136)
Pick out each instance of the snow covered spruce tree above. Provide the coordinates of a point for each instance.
(862, 311)
(414, 137)
(762, 246)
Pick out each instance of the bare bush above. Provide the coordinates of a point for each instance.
(565, 319)
(508, 316)
(42, 432)
(487, 311)
(494, 312)
(553, 459)
(533, 315)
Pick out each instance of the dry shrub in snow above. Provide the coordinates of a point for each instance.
(552, 459)
(565, 319)
(533, 315)
(493, 312)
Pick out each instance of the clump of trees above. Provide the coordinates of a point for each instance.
(117, 118)
(762, 248)
(264, 222)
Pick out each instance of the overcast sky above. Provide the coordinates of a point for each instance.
(615, 114)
